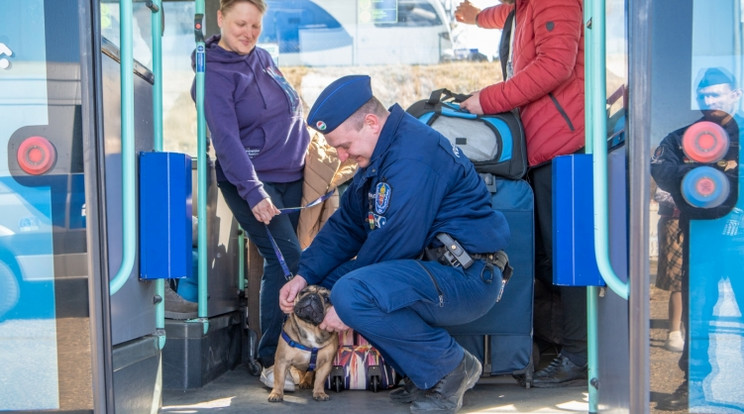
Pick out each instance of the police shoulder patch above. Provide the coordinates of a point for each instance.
(657, 154)
(382, 197)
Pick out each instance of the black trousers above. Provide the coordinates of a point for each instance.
(284, 230)
(573, 299)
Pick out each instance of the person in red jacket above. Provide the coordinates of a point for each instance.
(547, 87)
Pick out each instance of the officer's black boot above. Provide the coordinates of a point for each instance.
(446, 395)
(407, 393)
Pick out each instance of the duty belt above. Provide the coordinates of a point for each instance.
(452, 253)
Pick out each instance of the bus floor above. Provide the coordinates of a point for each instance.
(239, 392)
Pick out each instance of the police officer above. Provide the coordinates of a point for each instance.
(413, 188)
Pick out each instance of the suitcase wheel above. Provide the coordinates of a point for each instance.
(337, 378)
(374, 383)
(337, 383)
(374, 378)
(254, 368)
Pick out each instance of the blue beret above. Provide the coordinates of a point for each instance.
(338, 101)
(716, 76)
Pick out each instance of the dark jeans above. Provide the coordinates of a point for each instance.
(284, 230)
(573, 298)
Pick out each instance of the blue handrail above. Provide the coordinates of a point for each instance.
(596, 144)
(127, 149)
(596, 99)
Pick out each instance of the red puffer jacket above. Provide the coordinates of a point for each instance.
(548, 81)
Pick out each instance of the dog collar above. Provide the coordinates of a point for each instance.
(313, 351)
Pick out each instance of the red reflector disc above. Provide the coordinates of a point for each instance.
(705, 142)
(36, 155)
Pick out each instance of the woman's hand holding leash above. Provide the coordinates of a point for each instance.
(265, 210)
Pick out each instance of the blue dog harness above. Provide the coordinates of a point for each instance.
(313, 351)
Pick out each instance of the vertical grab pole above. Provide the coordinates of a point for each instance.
(591, 291)
(241, 259)
(201, 160)
(156, 24)
(127, 149)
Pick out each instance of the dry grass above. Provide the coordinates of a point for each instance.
(399, 84)
(391, 84)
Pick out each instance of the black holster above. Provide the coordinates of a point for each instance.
(452, 254)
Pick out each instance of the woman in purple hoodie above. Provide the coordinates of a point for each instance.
(260, 137)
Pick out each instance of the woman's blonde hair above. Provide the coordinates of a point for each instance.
(226, 5)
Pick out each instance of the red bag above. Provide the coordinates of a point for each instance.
(359, 366)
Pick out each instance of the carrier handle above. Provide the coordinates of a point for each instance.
(436, 96)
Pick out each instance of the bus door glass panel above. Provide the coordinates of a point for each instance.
(716, 242)
(695, 46)
(44, 327)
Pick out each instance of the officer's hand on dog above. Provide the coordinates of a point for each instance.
(265, 210)
(332, 322)
(289, 291)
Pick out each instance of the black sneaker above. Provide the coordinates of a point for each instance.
(407, 393)
(560, 373)
(678, 401)
(176, 307)
(446, 395)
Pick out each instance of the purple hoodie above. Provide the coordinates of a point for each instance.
(255, 120)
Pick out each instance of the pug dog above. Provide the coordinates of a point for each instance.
(302, 343)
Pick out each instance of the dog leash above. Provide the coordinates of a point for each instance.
(279, 255)
(313, 203)
(288, 275)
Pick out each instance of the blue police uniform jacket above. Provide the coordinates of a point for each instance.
(416, 185)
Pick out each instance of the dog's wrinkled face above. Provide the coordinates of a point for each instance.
(311, 304)
(301, 328)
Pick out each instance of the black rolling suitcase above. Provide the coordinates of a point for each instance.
(502, 339)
